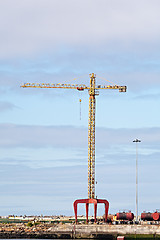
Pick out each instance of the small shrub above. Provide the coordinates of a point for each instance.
(29, 224)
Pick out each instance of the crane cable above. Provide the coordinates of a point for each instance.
(80, 105)
(78, 78)
(80, 100)
(106, 80)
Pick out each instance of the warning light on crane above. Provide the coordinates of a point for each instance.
(93, 92)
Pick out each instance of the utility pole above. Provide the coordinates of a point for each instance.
(136, 141)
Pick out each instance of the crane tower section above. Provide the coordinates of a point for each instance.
(91, 139)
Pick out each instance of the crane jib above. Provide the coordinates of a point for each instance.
(72, 86)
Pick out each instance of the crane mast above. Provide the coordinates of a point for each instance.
(91, 138)
(93, 92)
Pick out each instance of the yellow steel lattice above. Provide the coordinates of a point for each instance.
(92, 90)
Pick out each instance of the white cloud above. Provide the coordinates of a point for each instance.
(41, 136)
(29, 171)
(53, 190)
(28, 27)
(13, 135)
(5, 106)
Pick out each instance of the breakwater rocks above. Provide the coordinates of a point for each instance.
(71, 231)
(22, 230)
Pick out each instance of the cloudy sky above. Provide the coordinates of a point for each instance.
(43, 142)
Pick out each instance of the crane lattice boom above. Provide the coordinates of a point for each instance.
(79, 87)
(93, 91)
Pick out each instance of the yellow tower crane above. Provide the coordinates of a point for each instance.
(93, 92)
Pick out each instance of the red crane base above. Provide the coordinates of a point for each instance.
(87, 202)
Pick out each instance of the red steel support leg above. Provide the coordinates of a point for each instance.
(106, 206)
(87, 208)
(95, 211)
(75, 210)
(86, 201)
(106, 211)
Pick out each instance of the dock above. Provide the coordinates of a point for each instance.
(78, 231)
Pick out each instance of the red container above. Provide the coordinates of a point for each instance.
(156, 216)
(125, 216)
(147, 216)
